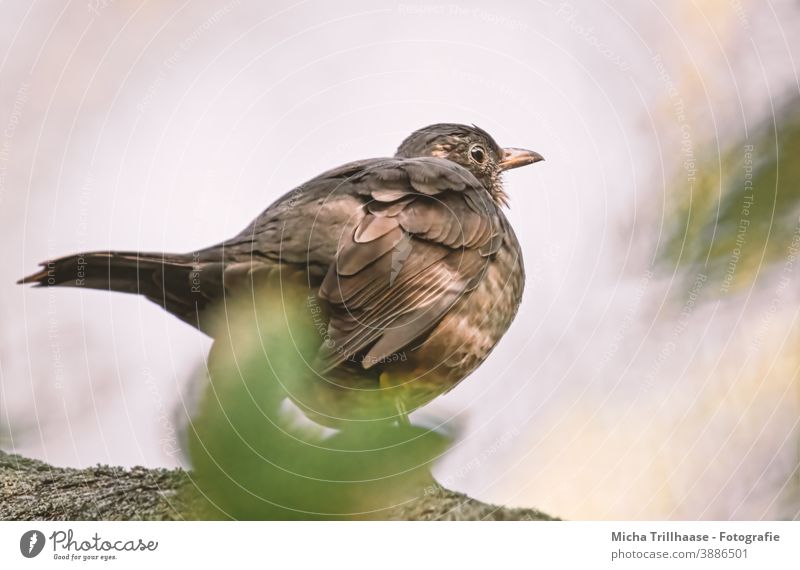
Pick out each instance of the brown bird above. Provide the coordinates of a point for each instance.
(415, 267)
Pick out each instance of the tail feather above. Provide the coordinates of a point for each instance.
(128, 272)
(171, 280)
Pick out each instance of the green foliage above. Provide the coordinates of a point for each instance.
(252, 460)
(743, 208)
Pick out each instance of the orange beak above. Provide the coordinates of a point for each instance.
(516, 157)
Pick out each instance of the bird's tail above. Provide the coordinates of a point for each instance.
(171, 280)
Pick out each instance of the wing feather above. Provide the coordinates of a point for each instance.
(427, 228)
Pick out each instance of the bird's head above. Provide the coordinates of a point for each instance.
(471, 147)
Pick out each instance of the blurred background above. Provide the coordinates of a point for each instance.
(653, 371)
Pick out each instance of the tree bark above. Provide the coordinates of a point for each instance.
(33, 490)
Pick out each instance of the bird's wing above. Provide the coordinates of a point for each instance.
(427, 231)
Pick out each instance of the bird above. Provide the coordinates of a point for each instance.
(409, 260)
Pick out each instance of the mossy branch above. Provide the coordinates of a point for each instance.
(33, 490)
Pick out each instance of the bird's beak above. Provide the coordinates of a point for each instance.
(516, 157)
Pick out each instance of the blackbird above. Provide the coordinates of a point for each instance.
(415, 269)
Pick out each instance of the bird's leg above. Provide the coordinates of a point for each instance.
(402, 413)
(387, 383)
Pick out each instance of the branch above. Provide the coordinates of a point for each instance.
(33, 490)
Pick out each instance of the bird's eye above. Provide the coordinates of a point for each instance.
(477, 153)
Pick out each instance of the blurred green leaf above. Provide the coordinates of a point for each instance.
(743, 208)
(252, 460)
